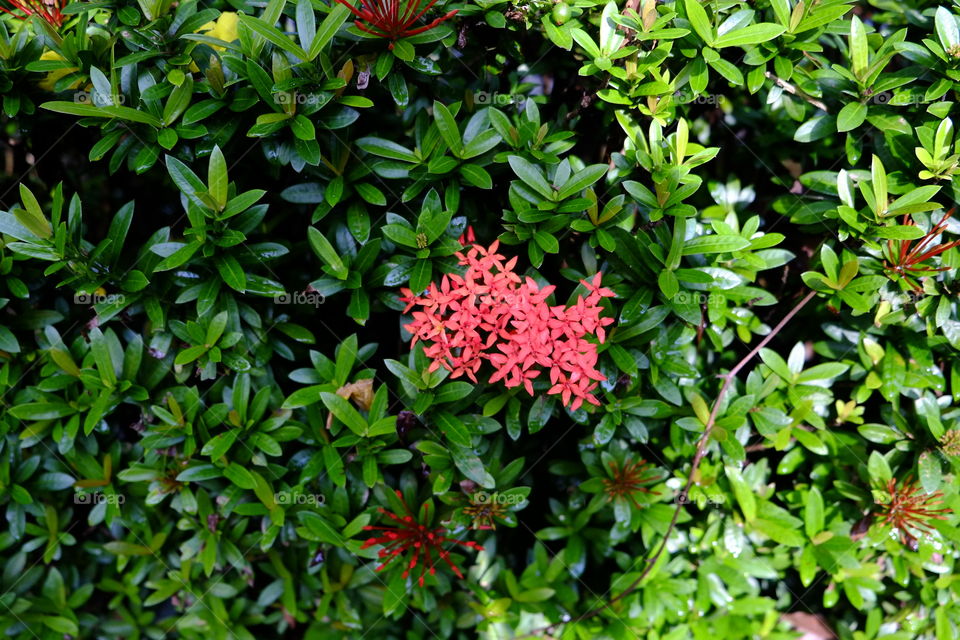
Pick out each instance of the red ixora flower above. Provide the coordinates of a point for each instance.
(49, 10)
(393, 19)
(909, 508)
(421, 540)
(490, 314)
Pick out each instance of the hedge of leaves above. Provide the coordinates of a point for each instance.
(500, 319)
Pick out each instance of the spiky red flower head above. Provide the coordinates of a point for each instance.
(393, 19)
(50, 10)
(420, 540)
(909, 509)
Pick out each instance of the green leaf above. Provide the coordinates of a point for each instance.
(345, 413)
(825, 371)
(946, 26)
(777, 364)
(743, 493)
(8, 341)
(302, 127)
(232, 273)
(451, 426)
(753, 34)
(322, 247)
(386, 148)
(306, 25)
(215, 328)
(32, 217)
(177, 103)
(851, 116)
(41, 410)
(472, 467)
(273, 35)
(395, 593)
(813, 513)
(448, 128)
(217, 177)
(101, 354)
(54, 481)
(535, 595)
(930, 473)
(815, 129)
(120, 548)
(546, 241)
(327, 29)
(482, 143)
(239, 476)
(668, 283)
(476, 176)
(878, 176)
(858, 47)
(699, 20)
(781, 8)
(178, 257)
(611, 38)
(187, 181)
(914, 201)
(879, 468)
(217, 447)
(714, 244)
(581, 180)
(88, 110)
(532, 176)
(62, 625)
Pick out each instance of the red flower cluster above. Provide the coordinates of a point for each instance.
(409, 535)
(491, 314)
(49, 10)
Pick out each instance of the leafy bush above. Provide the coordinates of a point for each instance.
(552, 319)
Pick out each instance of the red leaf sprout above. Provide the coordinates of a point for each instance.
(50, 10)
(909, 509)
(393, 19)
(904, 259)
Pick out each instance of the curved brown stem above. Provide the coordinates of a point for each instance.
(702, 443)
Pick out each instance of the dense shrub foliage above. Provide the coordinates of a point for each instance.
(575, 319)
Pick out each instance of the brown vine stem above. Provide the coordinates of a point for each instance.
(789, 88)
(702, 443)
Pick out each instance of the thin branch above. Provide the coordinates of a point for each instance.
(789, 88)
(702, 444)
